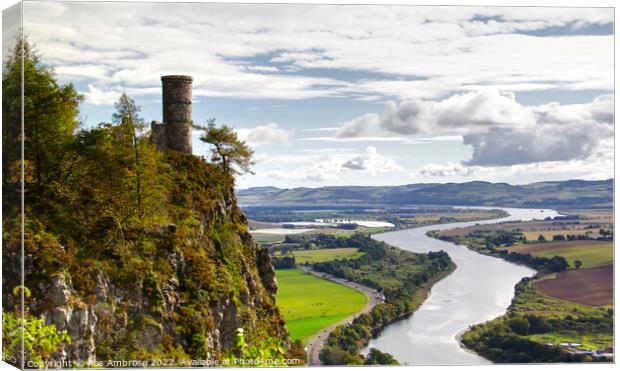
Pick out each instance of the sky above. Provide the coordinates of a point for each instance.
(358, 95)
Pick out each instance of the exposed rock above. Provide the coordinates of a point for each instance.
(59, 292)
(266, 271)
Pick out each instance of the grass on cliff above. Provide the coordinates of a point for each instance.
(309, 303)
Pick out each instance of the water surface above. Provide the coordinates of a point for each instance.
(480, 289)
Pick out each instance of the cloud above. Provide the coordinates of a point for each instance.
(504, 146)
(454, 114)
(559, 133)
(372, 163)
(98, 96)
(447, 169)
(270, 133)
(329, 167)
(364, 125)
(500, 130)
(406, 52)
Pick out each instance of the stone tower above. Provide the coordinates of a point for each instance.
(175, 132)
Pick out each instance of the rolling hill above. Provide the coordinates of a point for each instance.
(569, 193)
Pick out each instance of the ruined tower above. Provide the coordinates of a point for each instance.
(175, 132)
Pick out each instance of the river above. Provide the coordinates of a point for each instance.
(480, 289)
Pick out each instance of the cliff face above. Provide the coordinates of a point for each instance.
(179, 289)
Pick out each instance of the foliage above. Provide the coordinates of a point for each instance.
(491, 242)
(228, 150)
(377, 357)
(49, 109)
(268, 352)
(40, 341)
(283, 262)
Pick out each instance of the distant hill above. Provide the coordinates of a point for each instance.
(569, 193)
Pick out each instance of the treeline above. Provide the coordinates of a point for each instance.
(553, 265)
(397, 274)
(489, 243)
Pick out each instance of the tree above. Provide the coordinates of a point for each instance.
(227, 149)
(559, 237)
(377, 357)
(557, 264)
(519, 325)
(126, 116)
(577, 264)
(50, 117)
(541, 238)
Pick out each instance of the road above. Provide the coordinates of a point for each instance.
(316, 342)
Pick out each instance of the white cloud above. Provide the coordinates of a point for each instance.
(455, 114)
(447, 169)
(436, 50)
(97, 96)
(328, 167)
(270, 133)
(500, 130)
(372, 163)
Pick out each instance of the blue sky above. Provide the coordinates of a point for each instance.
(364, 95)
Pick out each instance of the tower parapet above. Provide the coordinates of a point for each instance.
(175, 132)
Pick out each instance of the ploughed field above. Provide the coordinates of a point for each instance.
(591, 284)
(584, 286)
(309, 303)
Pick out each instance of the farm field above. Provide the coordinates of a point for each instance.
(591, 253)
(323, 255)
(268, 238)
(307, 302)
(531, 301)
(584, 286)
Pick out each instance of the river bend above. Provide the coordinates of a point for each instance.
(481, 288)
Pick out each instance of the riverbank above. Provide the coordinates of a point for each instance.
(417, 300)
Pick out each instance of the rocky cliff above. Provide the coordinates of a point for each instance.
(176, 289)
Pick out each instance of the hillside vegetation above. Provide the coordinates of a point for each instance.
(131, 253)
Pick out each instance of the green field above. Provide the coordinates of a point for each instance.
(268, 238)
(590, 255)
(310, 304)
(323, 255)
